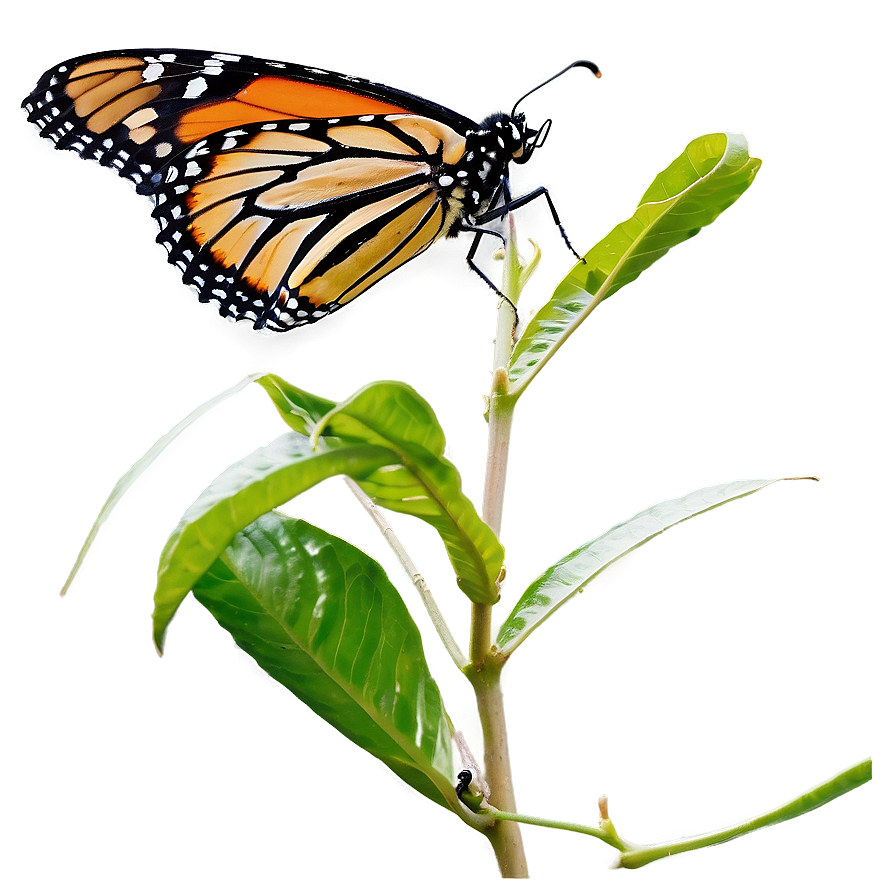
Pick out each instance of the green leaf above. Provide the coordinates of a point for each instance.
(258, 483)
(426, 485)
(692, 192)
(129, 478)
(301, 410)
(636, 856)
(567, 577)
(320, 617)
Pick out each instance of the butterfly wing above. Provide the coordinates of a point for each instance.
(284, 222)
(282, 191)
(137, 110)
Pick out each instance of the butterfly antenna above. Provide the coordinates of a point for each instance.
(580, 63)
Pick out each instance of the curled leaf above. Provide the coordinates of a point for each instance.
(711, 174)
(425, 484)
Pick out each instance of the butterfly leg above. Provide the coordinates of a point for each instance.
(513, 204)
(474, 247)
(470, 259)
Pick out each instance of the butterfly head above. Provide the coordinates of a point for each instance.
(511, 134)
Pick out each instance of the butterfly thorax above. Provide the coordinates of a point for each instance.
(470, 184)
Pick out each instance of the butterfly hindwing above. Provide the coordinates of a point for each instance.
(284, 222)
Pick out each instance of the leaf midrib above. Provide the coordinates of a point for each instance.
(414, 753)
(520, 385)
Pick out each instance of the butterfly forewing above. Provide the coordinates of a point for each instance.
(135, 110)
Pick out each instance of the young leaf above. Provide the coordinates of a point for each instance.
(567, 577)
(301, 410)
(320, 616)
(692, 192)
(426, 485)
(258, 483)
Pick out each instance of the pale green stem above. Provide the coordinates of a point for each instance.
(484, 672)
(604, 831)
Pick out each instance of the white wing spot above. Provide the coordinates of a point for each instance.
(195, 87)
(153, 71)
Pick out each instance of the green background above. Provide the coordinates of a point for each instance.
(715, 674)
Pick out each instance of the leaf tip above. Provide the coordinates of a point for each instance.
(158, 635)
(71, 578)
(866, 769)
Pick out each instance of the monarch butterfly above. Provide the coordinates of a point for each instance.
(281, 191)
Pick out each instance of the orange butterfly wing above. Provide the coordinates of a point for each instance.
(259, 220)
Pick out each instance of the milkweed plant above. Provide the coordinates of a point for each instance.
(322, 618)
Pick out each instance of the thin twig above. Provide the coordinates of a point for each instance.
(404, 558)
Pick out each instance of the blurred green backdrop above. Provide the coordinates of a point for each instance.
(729, 664)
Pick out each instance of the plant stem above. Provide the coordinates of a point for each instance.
(604, 831)
(485, 670)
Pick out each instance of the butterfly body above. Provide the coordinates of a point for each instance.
(282, 192)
